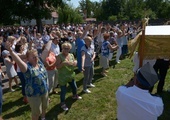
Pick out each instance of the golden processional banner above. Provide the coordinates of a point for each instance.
(157, 42)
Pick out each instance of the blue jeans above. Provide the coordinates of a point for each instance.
(64, 90)
(0, 100)
(22, 79)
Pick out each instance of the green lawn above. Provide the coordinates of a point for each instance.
(99, 105)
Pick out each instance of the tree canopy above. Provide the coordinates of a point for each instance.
(127, 9)
(12, 11)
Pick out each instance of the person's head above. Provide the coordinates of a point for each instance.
(88, 41)
(19, 48)
(111, 33)
(69, 33)
(23, 40)
(38, 35)
(66, 48)
(103, 30)
(5, 53)
(32, 56)
(56, 40)
(106, 36)
(11, 39)
(52, 34)
(79, 33)
(119, 32)
(146, 77)
(58, 34)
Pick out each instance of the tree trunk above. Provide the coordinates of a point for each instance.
(37, 4)
(39, 25)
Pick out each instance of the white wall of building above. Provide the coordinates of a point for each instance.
(44, 21)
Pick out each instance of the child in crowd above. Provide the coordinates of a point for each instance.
(11, 73)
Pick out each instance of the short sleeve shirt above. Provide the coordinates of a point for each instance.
(36, 80)
(105, 49)
(88, 55)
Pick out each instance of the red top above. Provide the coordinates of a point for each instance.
(51, 59)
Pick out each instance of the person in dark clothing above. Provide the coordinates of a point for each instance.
(161, 67)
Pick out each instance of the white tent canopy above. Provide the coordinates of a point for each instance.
(157, 30)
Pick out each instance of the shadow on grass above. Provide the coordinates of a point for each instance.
(53, 113)
(19, 110)
(166, 112)
(6, 90)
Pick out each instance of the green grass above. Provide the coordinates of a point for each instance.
(99, 105)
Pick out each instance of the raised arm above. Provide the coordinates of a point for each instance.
(22, 65)
(88, 27)
(111, 47)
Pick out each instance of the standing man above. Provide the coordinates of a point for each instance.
(161, 67)
(136, 103)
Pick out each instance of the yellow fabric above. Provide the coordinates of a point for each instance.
(156, 46)
(132, 44)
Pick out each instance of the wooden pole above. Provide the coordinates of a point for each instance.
(142, 43)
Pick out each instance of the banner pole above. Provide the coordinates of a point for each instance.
(142, 42)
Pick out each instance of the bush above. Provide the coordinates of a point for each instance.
(112, 18)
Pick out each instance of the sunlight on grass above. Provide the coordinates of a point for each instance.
(99, 105)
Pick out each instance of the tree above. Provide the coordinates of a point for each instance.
(68, 14)
(111, 7)
(86, 7)
(134, 9)
(12, 10)
(97, 10)
(6, 11)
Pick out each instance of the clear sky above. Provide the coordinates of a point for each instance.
(75, 3)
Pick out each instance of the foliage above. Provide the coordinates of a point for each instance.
(67, 14)
(127, 9)
(112, 18)
(86, 7)
(12, 11)
(111, 7)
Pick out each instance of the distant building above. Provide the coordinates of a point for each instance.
(53, 20)
(90, 19)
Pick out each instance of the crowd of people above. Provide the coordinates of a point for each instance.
(48, 60)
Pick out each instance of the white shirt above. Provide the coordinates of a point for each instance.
(119, 41)
(137, 104)
(100, 37)
(124, 40)
(55, 49)
(136, 62)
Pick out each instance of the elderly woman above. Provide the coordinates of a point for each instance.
(65, 64)
(104, 58)
(88, 56)
(36, 81)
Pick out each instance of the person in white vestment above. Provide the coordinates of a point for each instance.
(136, 103)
